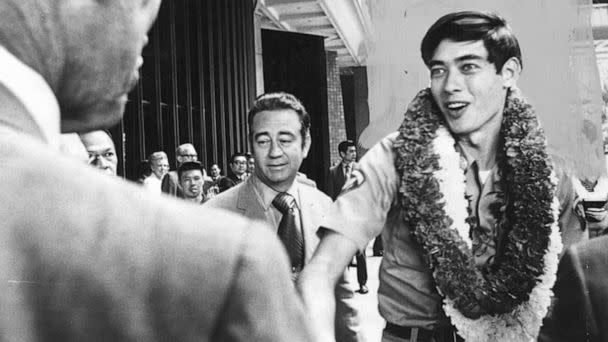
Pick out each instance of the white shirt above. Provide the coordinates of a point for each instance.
(34, 93)
(152, 183)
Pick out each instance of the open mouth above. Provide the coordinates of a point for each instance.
(456, 107)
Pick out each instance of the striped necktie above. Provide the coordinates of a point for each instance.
(288, 231)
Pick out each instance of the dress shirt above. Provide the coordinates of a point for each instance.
(266, 195)
(34, 93)
(152, 183)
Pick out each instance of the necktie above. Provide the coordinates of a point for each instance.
(288, 231)
(347, 171)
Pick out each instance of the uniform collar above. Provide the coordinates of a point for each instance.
(34, 93)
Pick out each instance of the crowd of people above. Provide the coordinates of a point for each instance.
(477, 220)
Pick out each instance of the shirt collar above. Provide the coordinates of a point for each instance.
(267, 194)
(34, 93)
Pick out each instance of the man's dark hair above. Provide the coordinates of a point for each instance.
(465, 26)
(235, 155)
(187, 166)
(280, 100)
(343, 146)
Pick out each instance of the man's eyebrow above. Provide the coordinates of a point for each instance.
(462, 58)
(257, 135)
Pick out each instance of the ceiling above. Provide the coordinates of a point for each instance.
(345, 24)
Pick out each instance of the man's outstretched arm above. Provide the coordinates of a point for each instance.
(319, 278)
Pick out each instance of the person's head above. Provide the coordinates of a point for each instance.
(159, 164)
(142, 171)
(190, 175)
(185, 153)
(215, 171)
(279, 101)
(101, 150)
(473, 58)
(250, 163)
(279, 131)
(348, 151)
(238, 163)
(88, 51)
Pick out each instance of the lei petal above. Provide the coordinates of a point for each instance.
(508, 299)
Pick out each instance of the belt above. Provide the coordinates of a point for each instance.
(413, 334)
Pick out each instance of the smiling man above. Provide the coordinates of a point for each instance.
(279, 132)
(458, 194)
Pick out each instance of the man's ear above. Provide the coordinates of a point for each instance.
(510, 72)
(307, 142)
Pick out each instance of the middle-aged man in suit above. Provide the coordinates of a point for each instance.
(580, 309)
(170, 183)
(338, 174)
(279, 133)
(87, 257)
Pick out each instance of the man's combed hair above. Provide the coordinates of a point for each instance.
(280, 100)
(490, 28)
(344, 145)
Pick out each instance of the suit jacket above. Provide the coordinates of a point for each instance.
(580, 305)
(336, 180)
(228, 182)
(89, 257)
(244, 200)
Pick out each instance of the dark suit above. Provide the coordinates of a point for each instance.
(335, 183)
(580, 305)
(170, 184)
(228, 182)
(90, 257)
(244, 200)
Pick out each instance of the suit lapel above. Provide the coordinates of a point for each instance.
(249, 203)
(308, 217)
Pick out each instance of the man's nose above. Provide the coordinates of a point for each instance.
(453, 82)
(275, 150)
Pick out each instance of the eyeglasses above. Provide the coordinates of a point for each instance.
(189, 155)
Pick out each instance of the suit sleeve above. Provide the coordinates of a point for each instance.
(570, 318)
(262, 304)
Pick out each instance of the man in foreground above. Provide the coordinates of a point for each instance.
(87, 257)
(279, 133)
(464, 197)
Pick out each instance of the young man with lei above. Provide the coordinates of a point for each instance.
(469, 203)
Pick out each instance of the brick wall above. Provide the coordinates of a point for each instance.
(335, 109)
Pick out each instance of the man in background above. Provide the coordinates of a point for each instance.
(159, 165)
(191, 181)
(238, 167)
(338, 175)
(170, 184)
(279, 133)
(87, 257)
(101, 150)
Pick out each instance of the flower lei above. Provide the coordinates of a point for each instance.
(504, 301)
